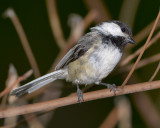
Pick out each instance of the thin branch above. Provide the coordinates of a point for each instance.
(16, 23)
(142, 63)
(128, 11)
(145, 31)
(25, 76)
(133, 55)
(147, 110)
(100, 7)
(140, 55)
(111, 120)
(155, 73)
(34, 123)
(8, 126)
(12, 77)
(143, 34)
(55, 23)
(104, 93)
(124, 112)
(141, 100)
(149, 60)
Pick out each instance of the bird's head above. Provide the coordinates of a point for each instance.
(117, 31)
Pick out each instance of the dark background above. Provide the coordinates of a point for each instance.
(34, 19)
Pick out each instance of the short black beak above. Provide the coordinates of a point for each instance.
(130, 40)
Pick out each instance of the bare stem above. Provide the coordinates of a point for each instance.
(143, 62)
(26, 75)
(111, 120)
(128, 11)
(155, 73)
(100, 7)
(104, 93)
(149, 113)
(143, 34)
(133, 55)
(55, 23)
(140, 55)
(14, 18)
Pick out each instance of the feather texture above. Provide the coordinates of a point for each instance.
(38, 83)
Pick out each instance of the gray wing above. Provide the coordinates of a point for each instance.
(78, 50)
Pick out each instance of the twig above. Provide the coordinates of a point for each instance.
(124, 112)
(133, 55)
(141, 100)
(8, 126)
(155, 73)
(14, 18)
(74, 38)
(4, 102)
(111, 120)
(143, 62)
(12, 77)
(32, 121)
(143, 34)
(140, 55)
(128, 11)
(73, 99)
(149, 113)
(25, 76)
(55, 23)
(99, 6)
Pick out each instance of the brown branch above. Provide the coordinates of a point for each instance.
(140, 55)
(155, 73)
(100, 7)
(55, 23)
(124, 112)
(16, 23)
(143, 62)
(8, 126)
(133, 55)
(25, 76)
(111, 120)
(149, 113)
(128, 11)
(73, 99)
(34, 123)
(12, 77)
(140, 100)
(143, 34)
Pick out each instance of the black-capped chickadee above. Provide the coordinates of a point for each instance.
(90, 60)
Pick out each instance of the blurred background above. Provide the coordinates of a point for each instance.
(36, 34)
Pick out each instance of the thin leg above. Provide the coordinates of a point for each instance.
(79, 94)
(112, 87)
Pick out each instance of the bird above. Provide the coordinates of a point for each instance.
(92, 59)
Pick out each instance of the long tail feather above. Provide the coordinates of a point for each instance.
(38, 83)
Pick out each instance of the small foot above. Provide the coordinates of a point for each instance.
(112, 87)
(80, 95)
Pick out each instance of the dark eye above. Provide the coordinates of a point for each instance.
(123, 30)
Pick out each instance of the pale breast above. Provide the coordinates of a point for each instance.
(104, 59)
(95, 65)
